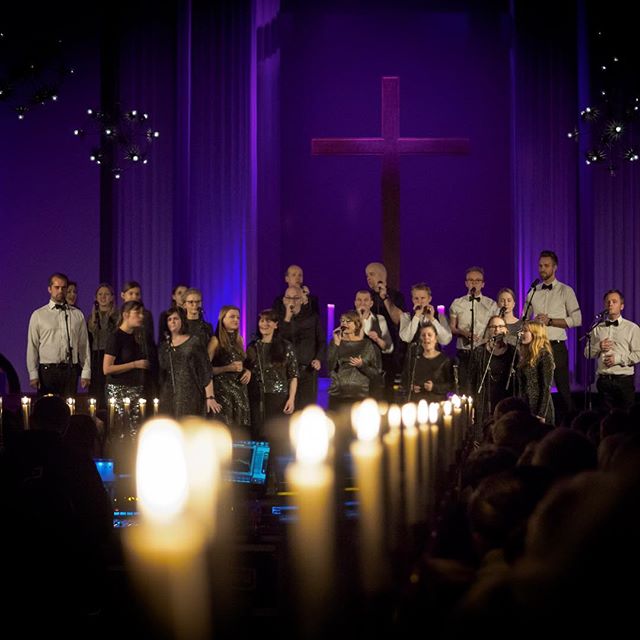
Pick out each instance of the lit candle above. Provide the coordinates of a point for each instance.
(457, 421)
(410, 440)
(312, 534)
(391, 443)
(366, 453)
(26, 406)
(71, 403)
(142, 404)
(423, 428)
(156, 405)
(447, 423)
(92, 407)
(435, 454)
(126, 403)
(112, 411)
(166, 549)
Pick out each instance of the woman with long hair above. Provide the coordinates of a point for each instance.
(186, 386)
(507, 303)
(124, 366)
(430, 373)
(535, 370)
(230, 377)
(101, 323)
(274, 379)
(353, 361)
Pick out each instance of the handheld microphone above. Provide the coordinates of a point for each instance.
(290, 307)
(342, 330)
(417, 308)
(380, 284)
(361, 311)
(535, 283)
(503, 310)
(96, 305)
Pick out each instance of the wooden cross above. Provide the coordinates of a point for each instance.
(390, 146)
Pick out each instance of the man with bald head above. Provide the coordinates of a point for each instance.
(300, 325)
(388, 303)
(294, 277)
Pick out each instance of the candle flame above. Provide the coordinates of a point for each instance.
(456, 401)
(447, 407)
(365, 417)
(310, 435)
(161, 470)
(409, 414)
(423, 411)
(25, 400)
(92, 401)
(394, 416)
(142, 402)
(434, 412)
(126, 401)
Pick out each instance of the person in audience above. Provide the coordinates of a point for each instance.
(230, 377)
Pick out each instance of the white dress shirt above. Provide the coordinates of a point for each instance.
(558, 302)
(47, 339)
(409, 325)
(483, 310)
(626, 348)
(384, 330)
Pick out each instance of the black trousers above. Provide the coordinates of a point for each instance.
(616, 392)
(464, 372)
(563, 404)
(307, 392)
(59, 379)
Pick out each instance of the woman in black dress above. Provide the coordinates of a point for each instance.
(353, 361)
(430, 371)
(186, 386)
(274, 368)
(124, 366)
(490, 365)
(230, 378)
(535, 370)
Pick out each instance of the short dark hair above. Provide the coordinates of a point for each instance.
(170, 311)
(269, 314)
(50, 413)
(475, 268)
(550, 254)
(614, 291)
(131, 284)
(421, 286)
(58, 276)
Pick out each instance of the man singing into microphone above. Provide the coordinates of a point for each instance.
(554, 304)
(423, 313)
(468, 317)
(57, 342)
(615, 342)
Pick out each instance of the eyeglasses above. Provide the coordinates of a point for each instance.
(292, 298)
(193, 301)
(475, 280)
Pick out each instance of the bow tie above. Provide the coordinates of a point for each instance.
(476, 299)
(611, 323)
(58, 306)
(547, 286)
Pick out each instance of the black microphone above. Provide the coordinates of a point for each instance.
(418, 307)
(290, 307)
(96, 305)
(535, 283)
(200, 313)
(603, 314)
(503, 310)
(380, 284)
(342, 330)
(498, 336)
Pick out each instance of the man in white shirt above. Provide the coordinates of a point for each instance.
(57, 344)
(423, 313)
(555, 305)
(615, 342)
(468, 318)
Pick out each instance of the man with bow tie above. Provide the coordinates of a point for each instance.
(615, 342)
(554, 304)
(58, 344)
(468, 318)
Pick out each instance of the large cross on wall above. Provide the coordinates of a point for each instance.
(390, 146)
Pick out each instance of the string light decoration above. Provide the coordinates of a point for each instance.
(32, 71)
(121, 138)
(610, 122)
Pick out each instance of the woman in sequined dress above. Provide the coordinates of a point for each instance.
(274, 368)
(186, 386)
(230, 377)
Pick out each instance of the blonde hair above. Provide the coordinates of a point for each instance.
(354, 317)
(530, 353)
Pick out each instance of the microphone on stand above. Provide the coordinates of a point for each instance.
(535, 283)
(472, 294)
(503, 310)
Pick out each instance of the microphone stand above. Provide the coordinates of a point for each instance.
(261, 385)
(413, 360)
(472, 297)
(587, 375)
(512, 368)
(173, 376)
(68, 390)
